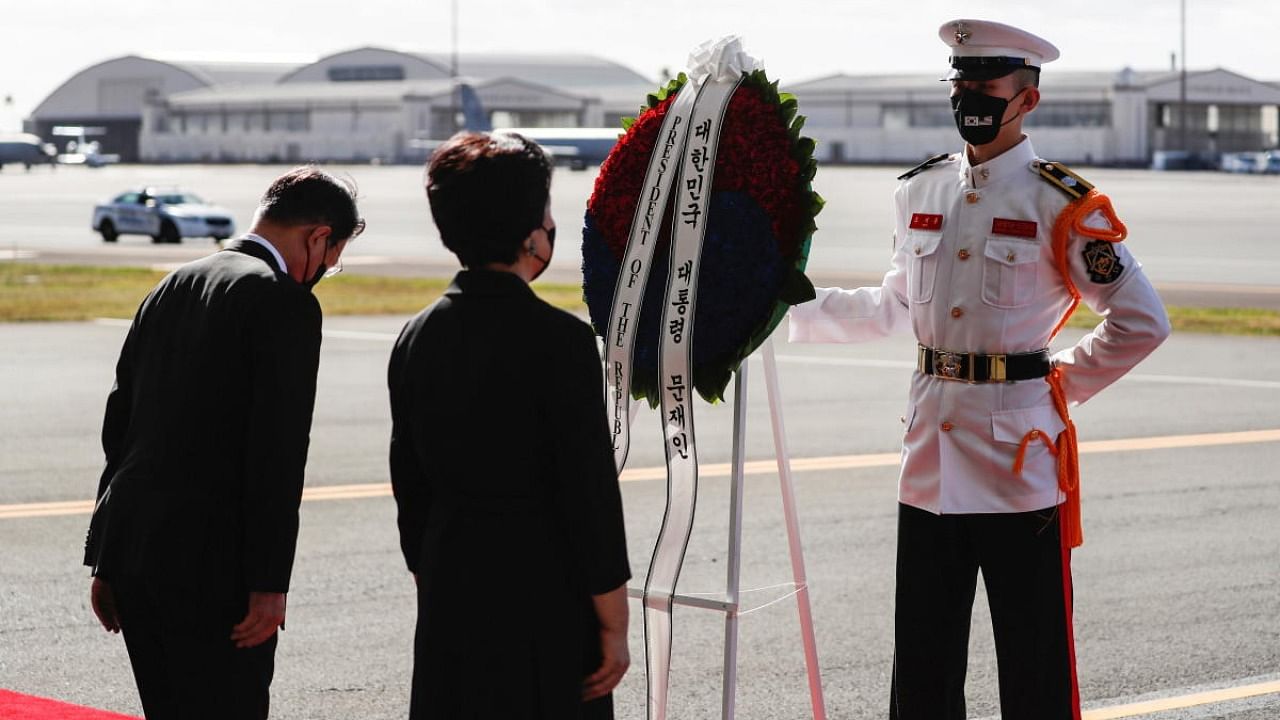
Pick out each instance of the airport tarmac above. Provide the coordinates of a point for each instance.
(1177, 585)
(1204, 238)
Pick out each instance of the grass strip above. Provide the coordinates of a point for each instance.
(30, 293)
(36, 293)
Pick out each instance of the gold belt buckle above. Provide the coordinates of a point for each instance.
(946, 364)
(997, 370)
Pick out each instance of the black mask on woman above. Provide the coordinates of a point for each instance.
(551, 241)
(978, 116)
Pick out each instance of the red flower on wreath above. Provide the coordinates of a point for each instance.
(753, 130)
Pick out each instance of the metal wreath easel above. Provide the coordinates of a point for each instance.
(730, 602)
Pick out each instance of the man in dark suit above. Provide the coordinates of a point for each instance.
(206, 434)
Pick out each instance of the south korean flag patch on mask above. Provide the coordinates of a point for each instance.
(1102, 262)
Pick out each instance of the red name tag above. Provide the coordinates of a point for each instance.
(1016, 228)
(925, 221)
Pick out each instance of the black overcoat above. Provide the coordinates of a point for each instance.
(207, 428)
(509, 507)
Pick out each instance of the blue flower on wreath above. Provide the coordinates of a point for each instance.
(747, 277)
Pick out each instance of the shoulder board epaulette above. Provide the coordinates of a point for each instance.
(924, 166)
(1057, 175)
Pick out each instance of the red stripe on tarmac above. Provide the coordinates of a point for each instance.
(16, 706)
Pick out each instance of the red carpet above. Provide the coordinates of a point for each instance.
(14, 706)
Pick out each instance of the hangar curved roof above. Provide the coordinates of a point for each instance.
(118, 88)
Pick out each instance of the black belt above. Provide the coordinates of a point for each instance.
(980, 368)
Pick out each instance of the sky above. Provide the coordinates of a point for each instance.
(45, 43)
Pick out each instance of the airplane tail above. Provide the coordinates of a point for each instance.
(473, 114)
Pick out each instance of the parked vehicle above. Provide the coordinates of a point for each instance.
(25, 149)
(166, 214)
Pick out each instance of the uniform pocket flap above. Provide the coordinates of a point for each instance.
(922, 243)
(1011, 426)
(1011, 252)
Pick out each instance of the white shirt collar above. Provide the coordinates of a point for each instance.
(267, 244)
(1010, 162)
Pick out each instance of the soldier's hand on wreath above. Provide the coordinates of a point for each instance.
(266, 613)
(104, 605)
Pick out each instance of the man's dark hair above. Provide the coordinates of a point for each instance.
(308, 195)
(1026, 77)
(488, 191)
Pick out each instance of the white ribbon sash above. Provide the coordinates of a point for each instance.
(628, 292)
(675, 380)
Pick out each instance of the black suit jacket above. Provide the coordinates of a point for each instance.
(509, 506)
(207, 427)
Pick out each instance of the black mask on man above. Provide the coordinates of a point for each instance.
(978, 116)
(551, 241)
(320, 271)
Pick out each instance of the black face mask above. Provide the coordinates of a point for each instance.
(551, 240)
(978, 115)
(320, 271)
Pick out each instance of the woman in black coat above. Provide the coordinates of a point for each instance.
(510, 514)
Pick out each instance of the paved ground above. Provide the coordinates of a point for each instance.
(1178, 588)
(1205, 238)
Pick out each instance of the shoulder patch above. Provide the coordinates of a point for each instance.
(924, 166)
(1102, 262)
(1057, 175)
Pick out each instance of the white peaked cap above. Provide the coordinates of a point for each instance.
(984, 50)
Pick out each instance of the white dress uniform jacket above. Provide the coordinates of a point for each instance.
(973, 271)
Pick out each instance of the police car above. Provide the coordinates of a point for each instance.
(166, 214)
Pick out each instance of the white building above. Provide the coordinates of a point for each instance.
(111, 95)
(1084, 117)
(374, 103)
(357, 105)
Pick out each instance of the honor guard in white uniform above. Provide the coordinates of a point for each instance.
(993, 249)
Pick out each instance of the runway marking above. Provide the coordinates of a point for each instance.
(1209, 697)
(842, 362)
(113, 322)
(1220, 288)
(752, 467)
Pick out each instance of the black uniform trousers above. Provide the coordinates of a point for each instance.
(1027, 575)
(185, 664)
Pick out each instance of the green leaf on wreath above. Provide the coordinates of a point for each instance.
(796, 288)
(711, 380)
(816, 203)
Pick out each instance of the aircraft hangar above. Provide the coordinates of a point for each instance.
(379, 104)
(1103, 118)
(365, 104)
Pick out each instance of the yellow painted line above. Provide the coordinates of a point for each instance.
(765, 467)
(1209, 697)
(346, 492)
(1167, 442)
(751, 467)
(46, 509)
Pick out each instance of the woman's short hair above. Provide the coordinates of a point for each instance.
(307, 195)
(488, 191)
